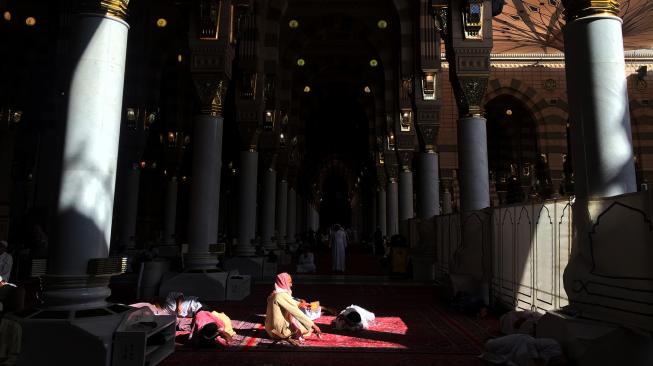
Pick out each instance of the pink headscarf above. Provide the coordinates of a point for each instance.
(282, 283)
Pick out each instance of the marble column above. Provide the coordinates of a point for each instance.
(428, 206)
(129, 208)
(282, 211)
(292, 215)
(473, 164)
(392, 203)
(428, 189)
(316, 219)
(170, 212)
(247, 203)
(310, 221)
(608, 276)
(204, 191)
(268, 208)
(381, 211)
(300, 222)
(373, 214)
(598, 107)
(88, 170)
(406, 207)
(447, 200)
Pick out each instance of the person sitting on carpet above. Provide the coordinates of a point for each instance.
(306, 261)
(283, 318)
(11, 297)
(353, 318)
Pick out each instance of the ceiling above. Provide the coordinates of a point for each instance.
(535, 26)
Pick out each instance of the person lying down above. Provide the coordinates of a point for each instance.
(353, 318)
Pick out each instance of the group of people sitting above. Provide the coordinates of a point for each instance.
(286, 319)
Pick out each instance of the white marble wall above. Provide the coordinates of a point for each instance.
(610, 276)
(537, 263)
(522, 248)
(530, 249)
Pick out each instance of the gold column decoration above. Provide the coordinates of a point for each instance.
(405, 159)
(253, 134)
(393, 173)
(575, 9)
(473, 90)
(114, 8)
(211, 95)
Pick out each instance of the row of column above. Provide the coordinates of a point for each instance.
(85, 202)
(397, 206)
(279, 203)
(395, 203)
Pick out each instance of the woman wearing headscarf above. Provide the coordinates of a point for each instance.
(283, 318)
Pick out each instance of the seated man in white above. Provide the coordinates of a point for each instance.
(6, 261)
(306, 261)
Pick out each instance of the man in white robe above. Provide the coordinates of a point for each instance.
(338, 245)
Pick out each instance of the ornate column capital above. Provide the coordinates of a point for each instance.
(427, 126)
(468, 43)
(472, 91)
(114, 8)
(268, 160)
(575, 9)
(392, 171)
(405, 160)
(211, 92)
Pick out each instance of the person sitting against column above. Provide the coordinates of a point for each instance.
(183, 306)
(283, 318)
(177, 304)
(353, 318)
(6, 261)
(7, 296)
(306, 261)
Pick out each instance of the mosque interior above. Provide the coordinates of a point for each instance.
(499, 150)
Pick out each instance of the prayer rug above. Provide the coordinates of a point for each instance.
(418, 330)
(413, 327)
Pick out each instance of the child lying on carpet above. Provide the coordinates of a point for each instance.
(353, 318)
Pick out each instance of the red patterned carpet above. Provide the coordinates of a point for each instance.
(413, 327)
